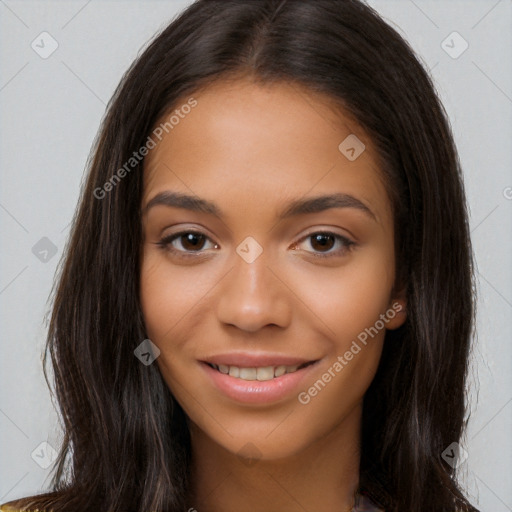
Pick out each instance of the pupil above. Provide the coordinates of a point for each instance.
(324, 241)
(194, 240)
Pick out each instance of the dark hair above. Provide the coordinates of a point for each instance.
(124, 434)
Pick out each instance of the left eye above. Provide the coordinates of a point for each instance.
(323, 243)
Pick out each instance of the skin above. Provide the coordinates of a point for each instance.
(251, 149)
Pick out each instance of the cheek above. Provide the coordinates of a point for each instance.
(160, 306)
(349, 298)
(350, 301)
(169, 294)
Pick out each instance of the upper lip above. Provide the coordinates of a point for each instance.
(248, 360)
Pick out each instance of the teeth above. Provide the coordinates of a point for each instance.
(261, 374)
(265, 373)
(280, 370)
(223, 368)
(248, 373)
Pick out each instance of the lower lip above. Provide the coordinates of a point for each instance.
(255, 391)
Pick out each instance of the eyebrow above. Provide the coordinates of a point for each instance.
(297, 207)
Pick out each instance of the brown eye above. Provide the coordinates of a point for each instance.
(187, 243)
(325, 244)
(192, 241)
(322, 241)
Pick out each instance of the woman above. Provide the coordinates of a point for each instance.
(266, 303)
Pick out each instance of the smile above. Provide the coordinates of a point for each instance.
(258, 380)
(261, 373)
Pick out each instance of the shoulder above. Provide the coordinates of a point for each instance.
(12, 507)
(9, 507)
(46, 502)
(27, 504)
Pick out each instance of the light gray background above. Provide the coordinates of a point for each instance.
(51, 110)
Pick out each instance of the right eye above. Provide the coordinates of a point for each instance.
(191, 242)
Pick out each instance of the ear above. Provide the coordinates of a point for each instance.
(397, 309)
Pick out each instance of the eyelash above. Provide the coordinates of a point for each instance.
(165, 244)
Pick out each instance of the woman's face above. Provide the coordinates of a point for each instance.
(280, 256)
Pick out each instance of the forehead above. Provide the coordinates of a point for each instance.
(263, 142)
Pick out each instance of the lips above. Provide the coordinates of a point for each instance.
(257, 378)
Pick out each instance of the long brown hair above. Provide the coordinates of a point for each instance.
(126, 444)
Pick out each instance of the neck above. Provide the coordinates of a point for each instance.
(322, 477)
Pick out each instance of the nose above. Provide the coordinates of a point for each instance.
(252, 296)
